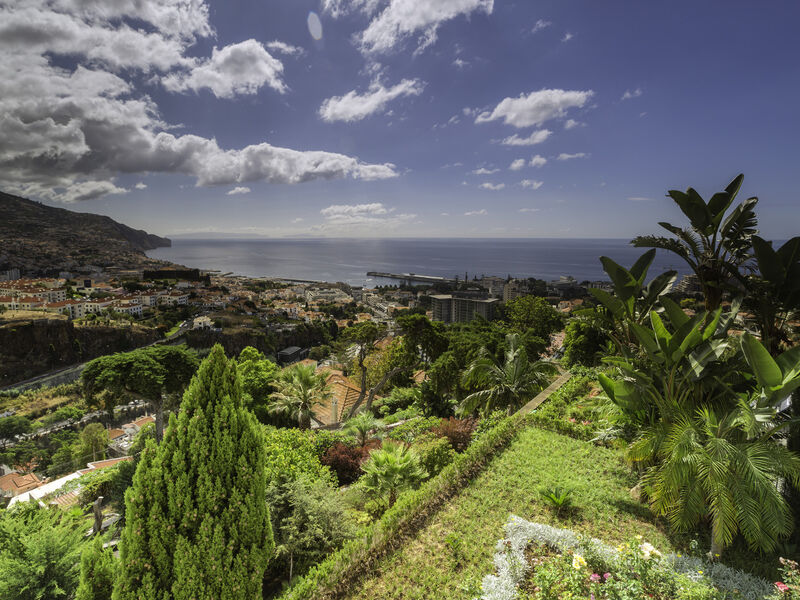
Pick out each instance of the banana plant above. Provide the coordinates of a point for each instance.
(713, 245)
(683, 363)
(632, 300)
(777, 377)
(774, 292)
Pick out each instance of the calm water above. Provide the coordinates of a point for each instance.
(349, 260)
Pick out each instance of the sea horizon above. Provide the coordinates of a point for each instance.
(349, 259)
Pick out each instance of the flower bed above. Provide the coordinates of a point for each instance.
(588, 568)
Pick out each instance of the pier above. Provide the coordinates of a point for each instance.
(409, 277)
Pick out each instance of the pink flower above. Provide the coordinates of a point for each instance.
(594, 578)
(571, 420)
(606, 575)
(781, 586)
(586, 422)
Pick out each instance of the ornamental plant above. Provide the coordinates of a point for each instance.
(197, 524)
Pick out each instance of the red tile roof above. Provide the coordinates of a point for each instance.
(17, 483)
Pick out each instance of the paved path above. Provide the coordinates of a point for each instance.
(545, 393)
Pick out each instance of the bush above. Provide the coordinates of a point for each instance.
(435, 453)
(398, 399)
(457, 431)
(345, 461)
(292, 453)
(402, 415)
(324, 439)
(487, 423)
(409, 431)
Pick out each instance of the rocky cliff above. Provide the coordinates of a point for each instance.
(31, 347)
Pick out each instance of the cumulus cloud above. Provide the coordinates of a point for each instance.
(403, 19)
(567, 37)
(536, 108)
(531, 184)
(355, 216)
(484, 171)
(298, 220)
(461, 63)
(354, 106)
(141, 186)
(536, 137)
(68, 127)
(565, 156)
(492, 186)
(241, 68)
(517, 164)
(476, 213)
(628, 95)
(571, 123)
(540, 24)
(238, 190)
(538, 161)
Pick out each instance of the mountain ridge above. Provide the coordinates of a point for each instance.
(37, 239)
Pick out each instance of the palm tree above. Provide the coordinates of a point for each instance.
(715, 249)
(724, 466)
(391, 470)
(300, 390)
(361, 426)
(507, 385)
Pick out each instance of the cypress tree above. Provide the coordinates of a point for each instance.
(198, 525)
(97, 572)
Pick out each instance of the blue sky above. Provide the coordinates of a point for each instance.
(406, 118)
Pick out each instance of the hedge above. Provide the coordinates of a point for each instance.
(334, 576)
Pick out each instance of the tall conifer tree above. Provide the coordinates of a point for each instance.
(197, 519)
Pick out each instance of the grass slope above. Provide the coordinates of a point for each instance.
(427, 566)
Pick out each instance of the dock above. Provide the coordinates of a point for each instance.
(409, 277)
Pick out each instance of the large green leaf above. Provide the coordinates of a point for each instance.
(663, 336)
(693, 206)
(733, 187)
(766, 370)
(648, 341)
(642, 264)
(675, 313)
(612, 303)
(717, 206)
(789, 363)
(789, 253)
(769, 263)
(660, 285)
(625, 285)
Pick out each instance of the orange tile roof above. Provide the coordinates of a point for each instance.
(17, 484)
(103, 464)
(115, 433)
(344, 392)
(142, 421)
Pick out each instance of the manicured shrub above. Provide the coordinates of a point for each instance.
(345, 461)
(324, 439)
(408, 432)
(435, 453)
(457, 431)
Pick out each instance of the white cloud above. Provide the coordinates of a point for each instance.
(400, 20)
(529, 210)
(531, 184)
(538, 161)
(540, 24)
(572, 123)
(628, 95)
(141, 186)
(241, 68)
(444, 214)
(298, 220)
(284, 48)
(354, 106)
(484, 171)
(536, 108)
(461, 63)
(640, 199)
(517, 164)
(238, 190)
(348, 217)
(536, 137)
(492, 186)
(67, 131)
(567, 37)
(565, 156)
(476, 213)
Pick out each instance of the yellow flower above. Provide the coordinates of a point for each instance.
(578, 562)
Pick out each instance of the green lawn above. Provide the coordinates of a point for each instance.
(425, 567)
(174, 330)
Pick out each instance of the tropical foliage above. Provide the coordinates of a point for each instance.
(299, 391)
(507, 385)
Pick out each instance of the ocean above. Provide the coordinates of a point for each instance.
(348, 260)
